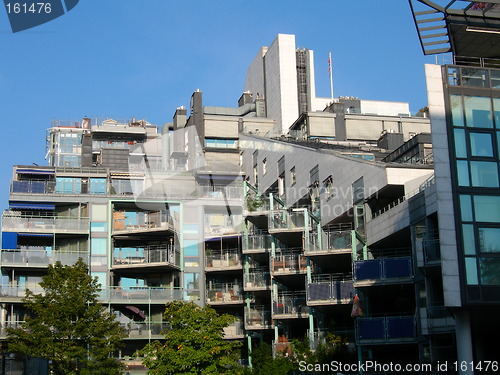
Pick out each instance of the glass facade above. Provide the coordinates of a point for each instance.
(475, 118)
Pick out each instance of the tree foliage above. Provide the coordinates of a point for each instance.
(68, 326)
(264, 363)
(194, 343)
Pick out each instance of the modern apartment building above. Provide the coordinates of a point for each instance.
(279, 221)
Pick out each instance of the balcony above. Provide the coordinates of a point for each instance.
(257, 204)
(332, 242)
(257, 279)
(289, 263)
(224, 294)
(387, 329)
(146, 221)
(290, 305)
(220, 192)
(40, 258)
(146, 257)
(13, 221)
(440, 319)
(33, 187)
(135, 295)
(330, 289)
(285, 221)
(145, 330)
(14, 292)
(225, 260)
(382, 271)
(257, 243)
(257, 318)
(432, 252)
(235, 330)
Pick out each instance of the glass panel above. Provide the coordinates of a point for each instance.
(496, 105)
(490, 271)
(98, 227)
(460, 145)
(453, 76)
(481, 144)
(489, 240)
(495, 79)
(484, 174)
(457, 110)
(102, 278)
(191, 281)
(191, 248)
(463, 173)
(98, 246)
(471, 271)
(468, 238)
(466, 207)
(475, 77)
(478, 112)
(487, 208)
(97, 186)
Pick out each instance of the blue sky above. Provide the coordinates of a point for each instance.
(144, 58)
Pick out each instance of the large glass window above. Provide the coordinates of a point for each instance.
(191, 248)
(496, 107)
(471, 271)
(489, 240)
(68, 185)
(481, 144)
(487, 208)
(490, 270)
(97, 186)
(98, 246)
(478, 112)
(484, 174)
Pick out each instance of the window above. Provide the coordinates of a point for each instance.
(264, 166)
(328, 187)
(481, 144)
(489, 240)
(478, 112)
(221, 143)
(293, 177)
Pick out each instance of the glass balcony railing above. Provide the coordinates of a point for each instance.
(257, 279)
(290, 305)
(329, 289)
(289, 263)
(114, 294)
(157, 295)
(285, 221)
(432, 252)
(220, 192)
(224, 293)
(257, 204)
(331, 242)
(257, 317)
(13, 221)
(144, 220)
(385, 329)
(235, 330)
(145, 255)
(225, 260)
(257, 243)
(383, 270)
(40, 258)
(145, 330)
(439, 318)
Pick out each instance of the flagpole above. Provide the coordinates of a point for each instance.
(330, 72)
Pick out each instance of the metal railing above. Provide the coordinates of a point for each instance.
(288, 221)
(137, 256)
(385, 329)
(40, 258)
(224, 292)
(330, 288)
(220, 191)
(145, 330)
(257, 243)
(257, 317)
(385, 269)
(16, 222)
(257, 279)
(331, 241)
(291, 262)
(228, 258)
(290, 304)
(235, 330)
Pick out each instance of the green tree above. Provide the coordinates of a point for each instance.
(68, 326)
(194, 343)
(263, 362)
